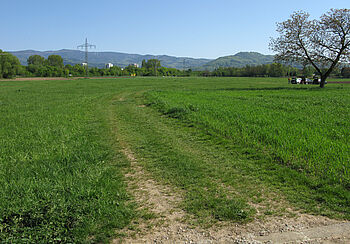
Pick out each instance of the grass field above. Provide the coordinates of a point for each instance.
(59, 172)
(305, 129)
(62, 170)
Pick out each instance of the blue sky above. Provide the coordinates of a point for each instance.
(191, 28)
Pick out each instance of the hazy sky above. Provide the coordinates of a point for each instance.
(191, 28)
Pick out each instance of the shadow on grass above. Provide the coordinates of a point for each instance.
(269, 88)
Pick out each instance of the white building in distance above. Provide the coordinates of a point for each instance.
(109, 65)
(134, 65)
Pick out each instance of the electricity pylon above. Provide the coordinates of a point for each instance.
(86, 46)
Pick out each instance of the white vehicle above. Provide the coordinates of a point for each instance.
(304, 80)
(308, 81)
(296, 80)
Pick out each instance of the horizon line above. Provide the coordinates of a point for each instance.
(137, 53)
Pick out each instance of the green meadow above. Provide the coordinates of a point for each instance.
(223, 143)
(305, 129)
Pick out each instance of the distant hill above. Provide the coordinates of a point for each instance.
(238, 60)
(99, 59)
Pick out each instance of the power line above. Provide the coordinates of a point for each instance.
(86, 46)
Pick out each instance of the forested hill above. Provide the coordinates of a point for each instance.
(99, 59)
(239, 60)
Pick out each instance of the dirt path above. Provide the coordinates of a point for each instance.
(64, 78)
(336, 233)
(170, 225)
(35, 78)
(163, 202)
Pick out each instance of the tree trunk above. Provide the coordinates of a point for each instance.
(323, 81)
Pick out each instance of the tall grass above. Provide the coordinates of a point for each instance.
(305, 129)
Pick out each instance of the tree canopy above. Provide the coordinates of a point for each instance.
(322, 43)
(9, 65)
(36, 60)
(55, 60)
(151, 66)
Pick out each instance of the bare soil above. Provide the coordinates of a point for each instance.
(36, 78)
(63, 78)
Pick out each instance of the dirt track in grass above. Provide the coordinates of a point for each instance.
(170, 224)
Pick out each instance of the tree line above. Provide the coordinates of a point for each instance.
(275, 70)
(53, 66)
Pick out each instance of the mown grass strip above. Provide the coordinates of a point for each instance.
(161, 152)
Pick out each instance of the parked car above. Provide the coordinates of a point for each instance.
(303, 80)
(308, 81)
(295, 80)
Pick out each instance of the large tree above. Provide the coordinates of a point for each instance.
(151, 66)
(36, 60)
(9, 65)
(55, 60)
(322, 43)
